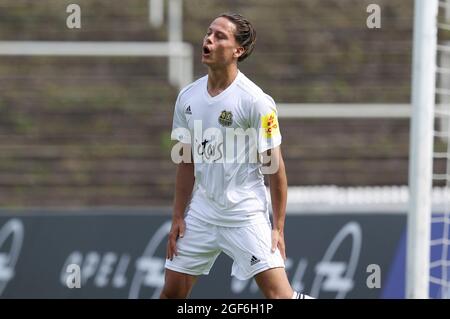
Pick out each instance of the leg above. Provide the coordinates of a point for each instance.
(250, 248)
(177, 285)
(197, 251)
(274, 284)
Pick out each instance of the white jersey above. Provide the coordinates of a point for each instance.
(229, 187)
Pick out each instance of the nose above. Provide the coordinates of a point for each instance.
(208, 39)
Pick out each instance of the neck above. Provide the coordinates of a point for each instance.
(220, 79)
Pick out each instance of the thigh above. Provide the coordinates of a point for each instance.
(197, 249)
(274, 284)
(177, 285)
(250, 249)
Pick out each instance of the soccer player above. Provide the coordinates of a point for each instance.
(222, 205)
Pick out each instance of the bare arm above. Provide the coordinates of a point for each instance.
(184, 184)
(278, 192)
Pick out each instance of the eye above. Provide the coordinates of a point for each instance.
(221, 36)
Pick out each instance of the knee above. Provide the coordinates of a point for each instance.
(277, 294)
(177, 285)
(168, 293)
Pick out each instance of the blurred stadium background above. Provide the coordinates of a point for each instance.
(85, 169)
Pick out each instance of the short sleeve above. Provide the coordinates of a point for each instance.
(180, 129)
(264, 118)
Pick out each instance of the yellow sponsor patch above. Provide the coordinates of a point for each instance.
(270, 125)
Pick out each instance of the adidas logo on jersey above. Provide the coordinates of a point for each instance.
(188, 110)
(254, 261)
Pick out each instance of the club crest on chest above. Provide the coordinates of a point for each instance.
(225, 118)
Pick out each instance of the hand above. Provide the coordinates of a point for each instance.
(177, 230)
(278, 241)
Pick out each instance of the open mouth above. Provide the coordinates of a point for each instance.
(206, 50)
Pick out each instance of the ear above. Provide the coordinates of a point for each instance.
(238, 52)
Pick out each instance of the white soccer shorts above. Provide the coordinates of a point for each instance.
(249, 247)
